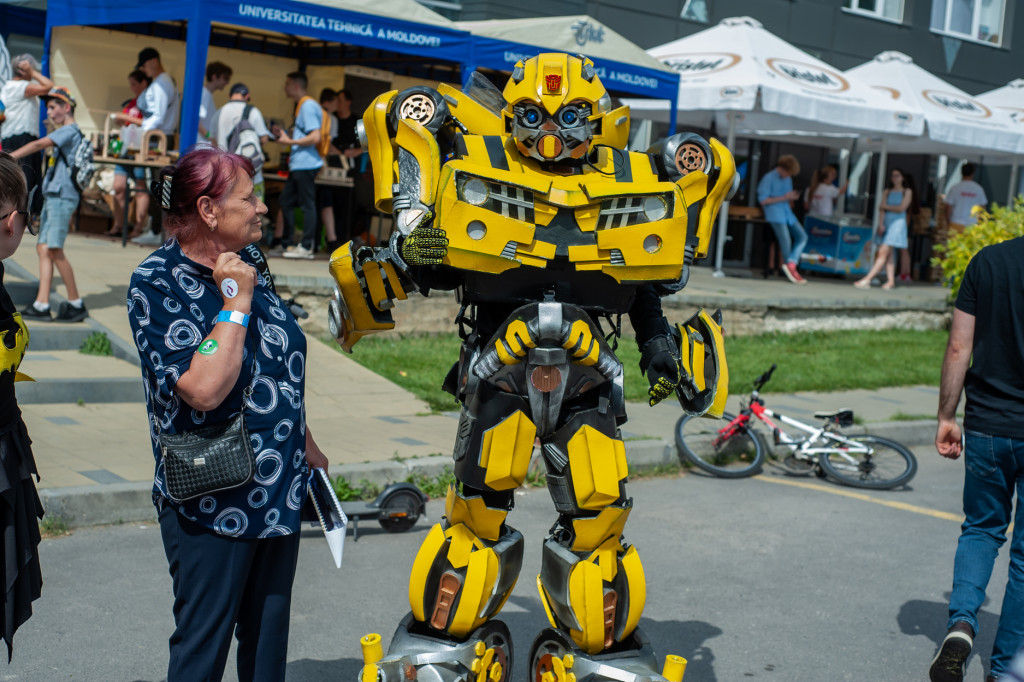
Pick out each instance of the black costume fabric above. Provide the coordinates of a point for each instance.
(20, 507)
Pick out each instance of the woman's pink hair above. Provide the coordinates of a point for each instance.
(202, 172)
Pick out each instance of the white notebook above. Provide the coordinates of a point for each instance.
(328, 510)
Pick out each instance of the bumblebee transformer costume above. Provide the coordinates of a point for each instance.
(527, 203)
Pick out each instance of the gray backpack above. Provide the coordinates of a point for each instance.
(244, 141)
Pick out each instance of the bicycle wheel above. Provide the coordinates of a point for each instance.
(886, 465)
(699, 443)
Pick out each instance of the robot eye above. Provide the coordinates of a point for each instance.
(569, 116)
(531, 116)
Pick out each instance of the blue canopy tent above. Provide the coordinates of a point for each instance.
(623, 66)
(352, 22)
(25, 18)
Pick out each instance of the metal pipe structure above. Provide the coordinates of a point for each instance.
(723, 213)
(883, 157)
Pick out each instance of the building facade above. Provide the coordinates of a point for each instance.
(977, 45)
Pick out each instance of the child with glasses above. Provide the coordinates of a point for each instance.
(19, 514)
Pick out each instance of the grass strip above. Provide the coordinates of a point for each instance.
(810, 361)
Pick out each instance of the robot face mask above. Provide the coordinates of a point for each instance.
(556, 107)
(565, 135)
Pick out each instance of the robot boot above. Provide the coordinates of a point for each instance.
(554, 657)
(461, 577)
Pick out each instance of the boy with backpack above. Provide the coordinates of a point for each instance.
(238, 127)
(309, 142)
(67, 171)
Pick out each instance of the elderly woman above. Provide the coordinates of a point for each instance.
(21, 509)
(209, 329)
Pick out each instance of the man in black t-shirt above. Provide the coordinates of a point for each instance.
(988, 323)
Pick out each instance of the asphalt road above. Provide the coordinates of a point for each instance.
(754, 579)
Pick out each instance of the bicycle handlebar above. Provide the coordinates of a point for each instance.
(764, 378)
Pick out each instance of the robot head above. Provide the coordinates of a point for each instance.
(555, 107)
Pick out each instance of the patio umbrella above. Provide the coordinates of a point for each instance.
(1010, 99)
(956, 123)
(756, 84)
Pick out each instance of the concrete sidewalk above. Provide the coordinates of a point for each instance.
(94, 455)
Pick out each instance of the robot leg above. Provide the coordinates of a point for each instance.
(468, 564)
(592, 582)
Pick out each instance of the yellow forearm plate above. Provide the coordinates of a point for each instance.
(716, 194)
(380, 149)
(419, 142)
(703, 358)
(364, 294)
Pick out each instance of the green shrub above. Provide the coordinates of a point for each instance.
(96, 343)
(999, 225)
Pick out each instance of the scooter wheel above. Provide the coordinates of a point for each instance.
(400, 511)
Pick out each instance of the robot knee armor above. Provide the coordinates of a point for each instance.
(466, 567)
(597, 597)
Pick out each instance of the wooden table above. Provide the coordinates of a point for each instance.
(128, 163)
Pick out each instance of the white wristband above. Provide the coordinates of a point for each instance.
(233, 316)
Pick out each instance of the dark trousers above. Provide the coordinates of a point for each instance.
(32, 165)
(223, 584)
(300, 192)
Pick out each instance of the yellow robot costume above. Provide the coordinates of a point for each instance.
(527, 202)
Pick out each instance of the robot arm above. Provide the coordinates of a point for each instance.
(401, 132)
(368, 282)
(705, 173)
(688, 360)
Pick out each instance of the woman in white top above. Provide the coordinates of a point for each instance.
(820, 197)
(20, 96)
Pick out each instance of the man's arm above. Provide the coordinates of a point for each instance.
(41, 86)
(156, 107)
(310, 140)
(954, 369)
(32, 147)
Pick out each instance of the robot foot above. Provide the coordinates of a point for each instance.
(420, 653)
(554, 657)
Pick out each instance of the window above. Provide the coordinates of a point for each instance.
(695, 10)
(980, 20)
(880, 9)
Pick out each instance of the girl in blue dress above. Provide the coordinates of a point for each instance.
(892, 229)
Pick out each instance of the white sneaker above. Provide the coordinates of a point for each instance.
(298, 251)
(148, 239)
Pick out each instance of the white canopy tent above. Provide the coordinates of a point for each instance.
(956, 123)
(1010, 99)
(755, 84)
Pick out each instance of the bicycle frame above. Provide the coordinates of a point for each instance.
(831, 442)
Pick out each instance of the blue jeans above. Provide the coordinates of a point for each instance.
(994, 468)
(792, 239)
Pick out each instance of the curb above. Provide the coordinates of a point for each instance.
(117, 503)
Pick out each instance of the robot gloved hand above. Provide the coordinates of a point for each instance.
(659, 363)
(425, 245)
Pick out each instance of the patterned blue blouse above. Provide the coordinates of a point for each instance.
(172, 306)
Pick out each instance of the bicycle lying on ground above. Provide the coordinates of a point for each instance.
(731, 448)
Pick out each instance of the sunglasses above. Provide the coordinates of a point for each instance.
(26, 215)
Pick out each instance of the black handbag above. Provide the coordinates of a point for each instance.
(211, 458)
(208, 459)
